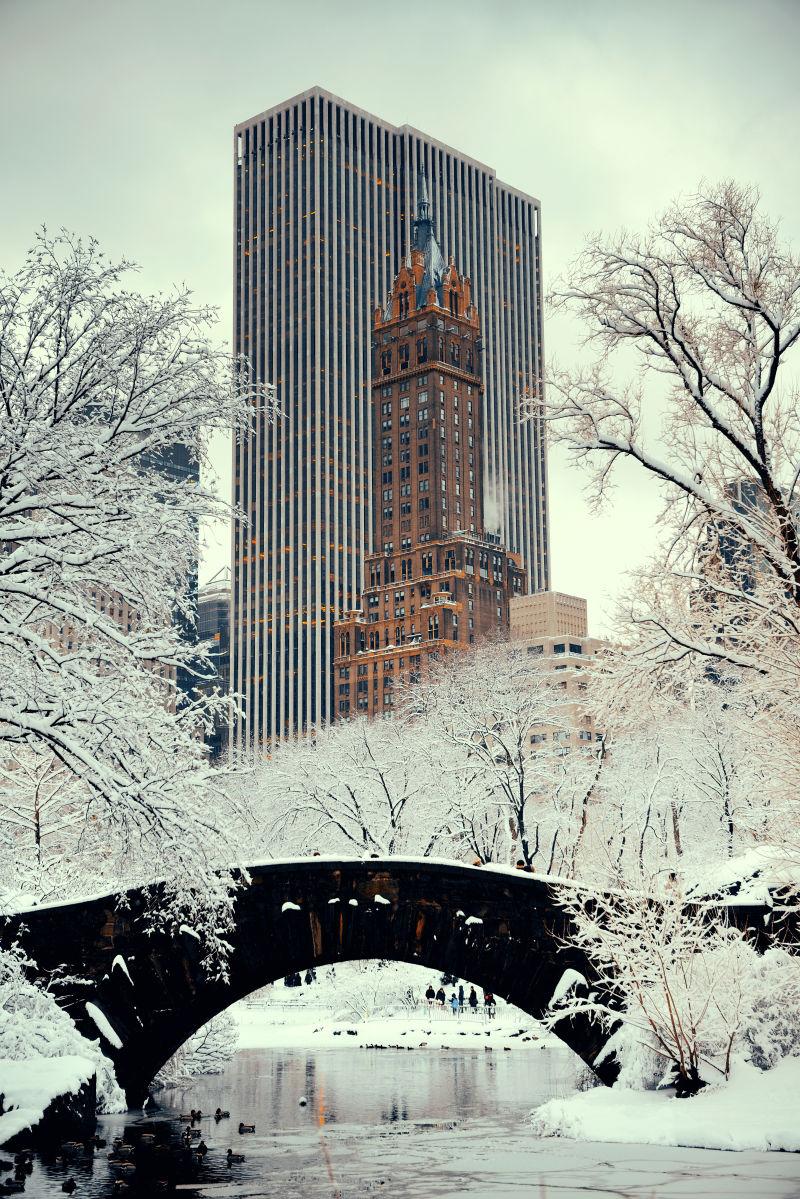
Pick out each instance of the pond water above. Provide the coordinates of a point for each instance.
(424, 1124)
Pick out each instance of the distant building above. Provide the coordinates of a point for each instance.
(554, 628)
(435, 580)
(176, 464)
(213, 624)
(323, 200)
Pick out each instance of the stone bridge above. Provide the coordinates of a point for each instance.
(145, 993)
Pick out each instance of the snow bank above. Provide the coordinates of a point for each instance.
(757, 1109)
(31, 1085)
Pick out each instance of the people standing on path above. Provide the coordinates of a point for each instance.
(461, 996)
(430, 994)
(473, 999)
(454, 1003)
(489, 1003)
(441, 998)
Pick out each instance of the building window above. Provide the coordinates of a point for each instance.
(404, 358)
(422, 350)
(574, 648)
(386, 362)
(560, 648)
(536, 649)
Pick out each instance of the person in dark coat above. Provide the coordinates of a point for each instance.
(430, 994)
(488, 1003)
(441, 997)
(473, 998)
(461, 996)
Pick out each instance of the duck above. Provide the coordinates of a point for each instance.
(219, 1114)
(13, 1186)
(202, 1149)
(246, 1128)
(234, 1158)
(69, 1186)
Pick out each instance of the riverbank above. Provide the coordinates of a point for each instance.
(309, 1028)
(756, 1109)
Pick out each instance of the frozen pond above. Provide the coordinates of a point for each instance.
(427, 1124)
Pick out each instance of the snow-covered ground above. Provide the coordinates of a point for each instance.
(756, 1109)
(309, 1027)
(368, 1004)
(29, 1086)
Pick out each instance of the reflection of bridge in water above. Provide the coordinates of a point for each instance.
(147, 993)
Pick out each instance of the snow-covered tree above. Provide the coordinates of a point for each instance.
(358, 786)
(520, 792)
(97, 384)
(707, 302)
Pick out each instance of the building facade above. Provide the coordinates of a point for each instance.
(554, 628)
(213, 624)
(324, 195)
(434, 581)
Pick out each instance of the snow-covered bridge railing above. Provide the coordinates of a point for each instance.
(144, 992)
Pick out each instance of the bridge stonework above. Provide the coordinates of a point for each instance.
(504, 932)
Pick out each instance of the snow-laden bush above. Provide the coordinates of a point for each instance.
(771, 1022)
(690, 992)
(207, 1052)
(32, 1025)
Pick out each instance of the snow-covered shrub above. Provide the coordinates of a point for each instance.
(207, 1052)
(672, 972)
(771, 1020)
(32, 1025)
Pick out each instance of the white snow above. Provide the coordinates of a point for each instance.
(756, 1109)
(103, 1024)
(568, 981)
(122, 965)
(31, 1085)
(334, 900)
(353, 903)
(380, 899)
(473, 920)
(290, 907)
(190, 932)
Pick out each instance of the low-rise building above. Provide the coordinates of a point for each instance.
(554, 627)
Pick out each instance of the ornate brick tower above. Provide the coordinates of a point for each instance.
(433, 581)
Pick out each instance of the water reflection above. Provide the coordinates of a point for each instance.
(427, 1124)
(349, 1093)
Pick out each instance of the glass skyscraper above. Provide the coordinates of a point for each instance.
(324, 200)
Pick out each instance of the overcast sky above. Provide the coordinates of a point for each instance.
(117, 119)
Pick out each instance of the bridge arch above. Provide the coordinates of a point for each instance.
(502, 930)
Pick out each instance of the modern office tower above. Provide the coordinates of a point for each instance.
(554, 629)
(213, 624)
(324, 195)
(434, 581)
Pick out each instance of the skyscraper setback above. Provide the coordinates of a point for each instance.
(324, 198)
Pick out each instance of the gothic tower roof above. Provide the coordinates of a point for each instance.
(423, 238)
